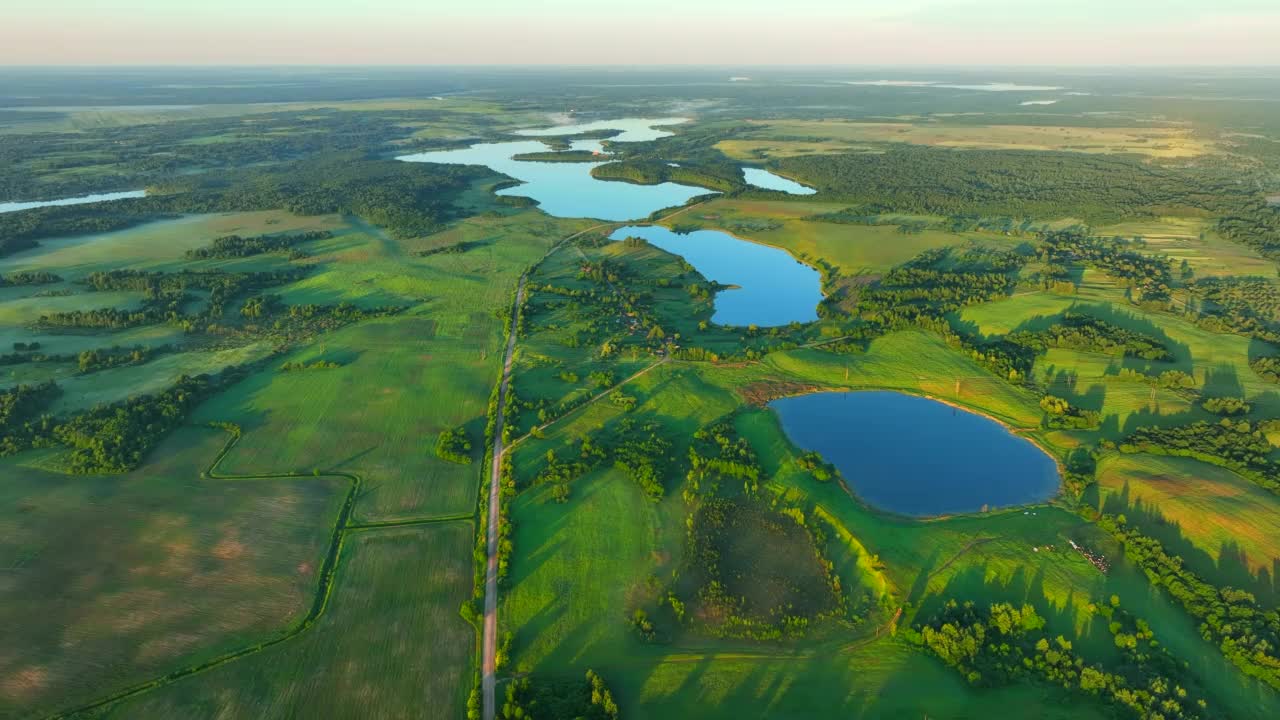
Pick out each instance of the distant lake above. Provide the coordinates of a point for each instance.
(633, 129)
(101, 197)
(567, 189)
(774, 288)
(920, 457)
(986, 87)
(767, 180)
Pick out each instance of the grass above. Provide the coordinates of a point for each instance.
(843, 136)
(390, 643)
(1219, 363)
(109, 581)
(19, 312)
(403, 379)
(1015, 556)
(401, 382)
(859, 252)
(916, 362)
(181, 569)
(80, 392)
(582, 565)
(1224, 527)
(158, 245)
(1193, 240)
(63, 344)
(765, 560)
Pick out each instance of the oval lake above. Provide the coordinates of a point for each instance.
(920, 457)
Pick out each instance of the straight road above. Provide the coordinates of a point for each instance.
(490, 651)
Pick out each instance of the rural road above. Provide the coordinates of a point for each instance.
(490, 651)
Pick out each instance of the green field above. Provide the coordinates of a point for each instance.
(112, 580)
(365, 651)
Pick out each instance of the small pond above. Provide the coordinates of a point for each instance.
(772, 288)
(101, 197)
(920, 457)
(769, 181)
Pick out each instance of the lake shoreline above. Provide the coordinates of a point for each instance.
(1021, 433)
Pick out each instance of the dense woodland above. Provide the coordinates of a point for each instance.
(1098, 189)
(407, 199)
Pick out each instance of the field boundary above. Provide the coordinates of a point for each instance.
(328, 571)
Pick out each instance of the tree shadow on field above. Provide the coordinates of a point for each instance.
(1106, 312)
(1222, 380)
(1231, 569)
(921, 584)
(1066, 385)
(1260, 349)
(1152, 417)
(983, 586)
(542, 621)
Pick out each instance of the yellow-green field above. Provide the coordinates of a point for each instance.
(1225, 527)
(844, 136)
(1193, 240)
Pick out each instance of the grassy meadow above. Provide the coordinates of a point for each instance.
(365, 652)
(111, 580)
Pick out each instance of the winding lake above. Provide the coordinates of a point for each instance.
(567, 189)
(920, 457)
(767, 180)
(101, 197)
(773, 287)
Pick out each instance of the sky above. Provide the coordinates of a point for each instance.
(640, 32)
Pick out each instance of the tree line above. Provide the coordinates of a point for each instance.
(235, 246)
(1004, 643)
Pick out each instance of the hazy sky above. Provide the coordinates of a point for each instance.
(877, 32)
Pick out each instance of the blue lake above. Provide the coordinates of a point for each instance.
(773, 287)
(101, 197)
(567, 189)
(915, 456)
(767, 180)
